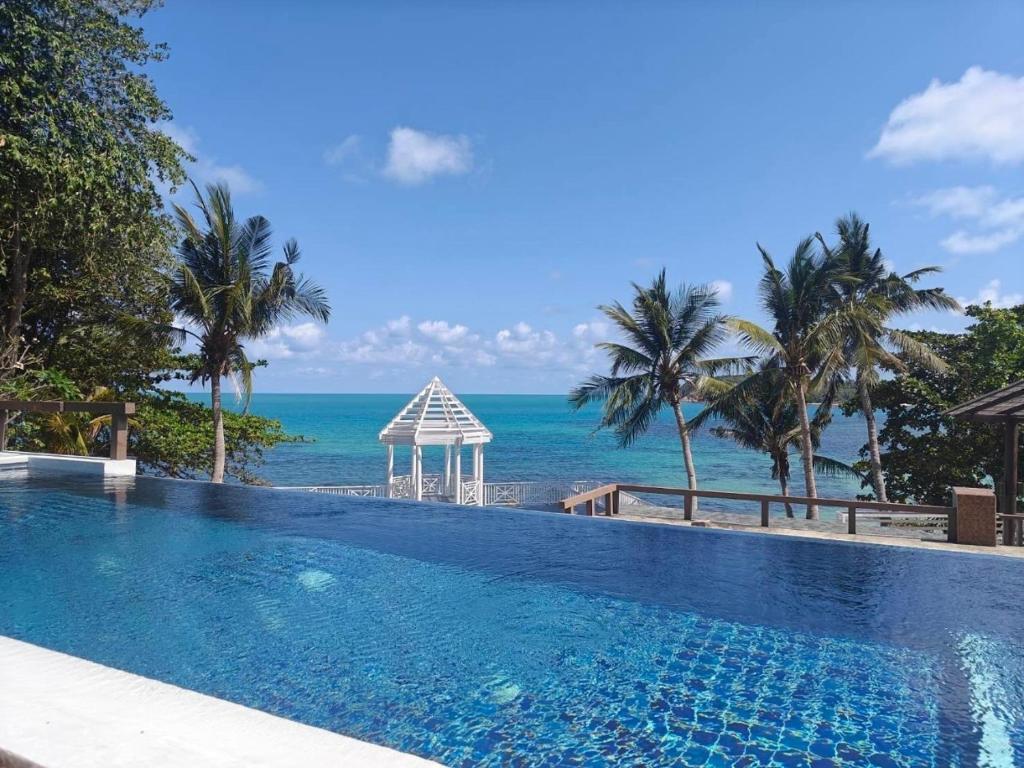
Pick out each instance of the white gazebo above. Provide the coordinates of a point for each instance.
(436, 417)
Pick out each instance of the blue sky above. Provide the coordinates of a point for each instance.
(469, 180)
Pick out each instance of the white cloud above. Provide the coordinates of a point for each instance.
(440, 330)
(997, 221)
(723, 288)
(434, 345)
(523, 342)
(342, 151)
(962, 242)
(959, 202)
(206, 169)
(991, 293)
(981, 116)
(286, 341)
(595, 330)
(399, 326)
(415, 157)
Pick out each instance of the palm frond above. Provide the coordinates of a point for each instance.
(827, 467)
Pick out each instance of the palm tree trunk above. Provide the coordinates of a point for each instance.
(684, 440)
(782, 463)
(875, 456)
(806, 449)
(217, 474)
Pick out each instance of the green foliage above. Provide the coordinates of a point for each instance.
(925, 453)
(669, 335)
(85, 245)
(763, 417)
(81, 227)
(175, 438)
(224, 286)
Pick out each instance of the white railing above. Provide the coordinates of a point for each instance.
(534, 491)
(375, 491)
(401, 487)
(494, 494)
(432, 485)
(470, 492)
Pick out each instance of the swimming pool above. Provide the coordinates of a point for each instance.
(499, 637)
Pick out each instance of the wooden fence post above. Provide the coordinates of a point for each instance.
(687, 506)
(851, 519)
(765, 514)
(119, 436)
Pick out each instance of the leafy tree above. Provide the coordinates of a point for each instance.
(80, 215)
(805, 341)
(176, 439)
(763, 417)
(924, 453)
(84, 242)
(663, 362)
(221, 286)
(881, 295)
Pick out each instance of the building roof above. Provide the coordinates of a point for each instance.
(435, 417)
(1006, 404)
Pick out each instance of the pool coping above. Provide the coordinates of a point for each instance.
(60, 711)
(933, 545)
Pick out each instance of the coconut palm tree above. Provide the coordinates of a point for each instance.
(806, 337)
(763, 417)
(226, 291)
(662, 362)
(870, 346)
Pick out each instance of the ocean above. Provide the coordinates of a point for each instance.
(536, 437)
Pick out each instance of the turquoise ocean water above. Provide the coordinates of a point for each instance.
(536, 437)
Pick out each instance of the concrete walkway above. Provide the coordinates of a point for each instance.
(64, 712)
(869, 532)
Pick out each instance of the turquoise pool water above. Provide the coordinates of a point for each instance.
(501, 637)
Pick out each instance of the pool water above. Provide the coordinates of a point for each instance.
(501, 637)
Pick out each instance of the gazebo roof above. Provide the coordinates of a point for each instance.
(1006, 404)
(435, 417)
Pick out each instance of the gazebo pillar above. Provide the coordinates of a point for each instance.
(447, 470)
(478, 472)
(419, 473)
(391, 469)
(414, 473)
(458, 473)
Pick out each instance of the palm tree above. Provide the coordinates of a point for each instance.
(222, 289)
(78, 434)
(668, 334)
(763, 417)
(805, 341)
(873, 345)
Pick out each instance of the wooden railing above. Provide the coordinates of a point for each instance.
(607, 498)
(118, 412)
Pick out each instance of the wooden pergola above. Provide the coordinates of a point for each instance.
(1003, 406)
(118, 412)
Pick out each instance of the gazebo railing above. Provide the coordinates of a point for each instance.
(470, 491)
